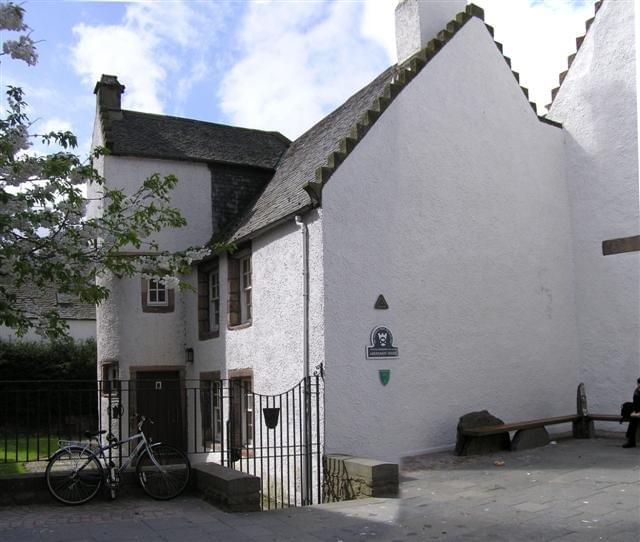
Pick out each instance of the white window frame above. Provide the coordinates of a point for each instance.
(246, 281)
(214, 299)
(157, 285)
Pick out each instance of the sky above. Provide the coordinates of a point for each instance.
(272, 65)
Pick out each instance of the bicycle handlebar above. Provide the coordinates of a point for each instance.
(142, 420)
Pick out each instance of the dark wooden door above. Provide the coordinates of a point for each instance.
(160, 397)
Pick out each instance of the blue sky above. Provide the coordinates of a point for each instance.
(269, 65)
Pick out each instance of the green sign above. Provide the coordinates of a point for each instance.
(384, 374)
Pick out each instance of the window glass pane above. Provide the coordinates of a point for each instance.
(153, 297)
(162, 295)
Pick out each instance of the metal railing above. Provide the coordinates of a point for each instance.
(275, 437)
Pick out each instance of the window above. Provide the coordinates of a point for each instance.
(240, 303)
(157, 293)
(156, 297)
(208, 300)
(214, 301)
(242, 412)
(210, 409)
(245, 287)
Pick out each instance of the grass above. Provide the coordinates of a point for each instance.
(12, 468)
(13, 454)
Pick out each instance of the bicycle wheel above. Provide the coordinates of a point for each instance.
(169, 477)
(74, 475)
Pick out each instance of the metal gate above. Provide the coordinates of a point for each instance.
(275, 437)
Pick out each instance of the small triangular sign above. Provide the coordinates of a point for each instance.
(381, 303)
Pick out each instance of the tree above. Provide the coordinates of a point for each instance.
(46, 237)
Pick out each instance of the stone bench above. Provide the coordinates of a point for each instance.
(479, 432)
(229, 489)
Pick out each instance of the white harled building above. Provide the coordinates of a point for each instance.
(504, 244)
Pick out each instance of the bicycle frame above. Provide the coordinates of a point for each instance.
(100, 451)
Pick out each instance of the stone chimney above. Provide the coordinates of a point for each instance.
(108, 93)
(419, 21)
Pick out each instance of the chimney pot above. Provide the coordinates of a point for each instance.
(108, 93)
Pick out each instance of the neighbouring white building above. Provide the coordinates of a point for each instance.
(504, 244)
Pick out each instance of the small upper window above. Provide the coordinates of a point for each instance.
(156, 297)
(157, 293)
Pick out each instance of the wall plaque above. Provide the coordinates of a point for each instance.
(381, 344)
(384, 375)
(381, 303)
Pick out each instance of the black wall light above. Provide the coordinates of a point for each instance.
(189, 355)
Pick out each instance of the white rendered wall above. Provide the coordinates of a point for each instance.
(597, 106)
(455, 208)
(272, 346)
(125, 333)
(192, 195)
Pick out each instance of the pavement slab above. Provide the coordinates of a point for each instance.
(573, 490)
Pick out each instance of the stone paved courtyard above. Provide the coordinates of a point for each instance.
(574, 490)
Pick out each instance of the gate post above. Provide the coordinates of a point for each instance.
(307, 478)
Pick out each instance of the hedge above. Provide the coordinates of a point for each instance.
(68, 360)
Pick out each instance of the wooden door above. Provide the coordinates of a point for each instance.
(160, 397)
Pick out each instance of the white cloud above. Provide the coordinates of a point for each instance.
(154, 41)
(121, 51)
(378, 24)
(53, 124)
(299, 60)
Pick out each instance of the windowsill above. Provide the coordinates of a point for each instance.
(209, 335)
(157, 309)
(240, 326)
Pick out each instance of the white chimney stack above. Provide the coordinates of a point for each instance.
(419, 21)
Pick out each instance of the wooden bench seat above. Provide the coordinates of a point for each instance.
(606, 417)
(486, 430)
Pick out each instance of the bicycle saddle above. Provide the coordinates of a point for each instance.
(91, 434)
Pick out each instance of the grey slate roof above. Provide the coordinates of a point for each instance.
(131, 133)
(285, 195)
(35, 300)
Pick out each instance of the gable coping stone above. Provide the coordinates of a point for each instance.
(571, 57)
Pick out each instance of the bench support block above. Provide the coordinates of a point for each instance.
(529, 438)
(583, 428)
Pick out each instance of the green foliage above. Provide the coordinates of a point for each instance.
(59, 360)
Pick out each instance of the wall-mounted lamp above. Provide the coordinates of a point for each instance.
(189, 355)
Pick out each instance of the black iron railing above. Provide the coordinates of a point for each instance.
(275, 437)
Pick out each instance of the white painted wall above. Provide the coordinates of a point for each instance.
(455, 207)
(597, 106)
(126, 333)
(192, 195)
(273, 344)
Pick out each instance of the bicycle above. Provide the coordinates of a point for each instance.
(77, 470)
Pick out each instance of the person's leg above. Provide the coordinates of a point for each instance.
(631, 434)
